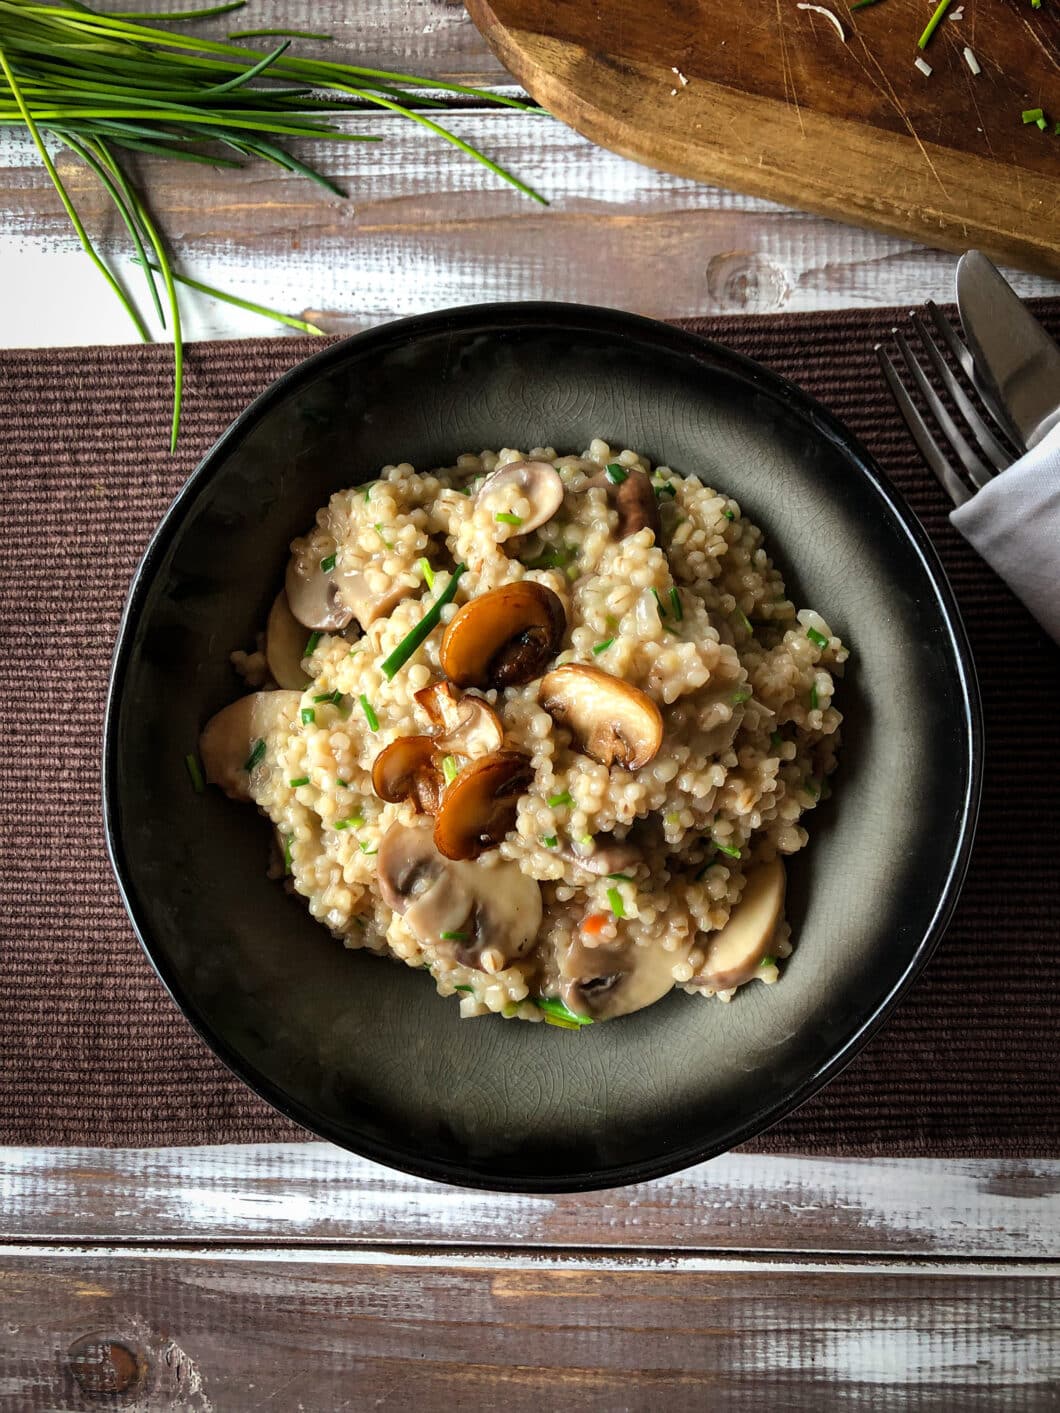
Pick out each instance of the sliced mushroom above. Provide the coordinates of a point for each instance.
(496, 909)
(228, 739)
(735, 953)
(479, 806)
(312, 595)
(612, 721)
(365, 603)
(469, 726)
(608, 981)
(616, 857)
(285, 642)
(537, 482)
(635, 501)
(505, 637)
(410, 769)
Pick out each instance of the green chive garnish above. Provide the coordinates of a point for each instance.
(327, 565)
(814, 698)
(257, 751)
(308, 716)
(311, 644)
(194, 769)
(368, 490)
(775, 739)
(622, 877)
(366, 850)
(301, 780)
(602, 647)
(731, 514)
(450, 769)
(558, 557)
(344, 824)
(343, 783)
(556, 1013)
(333, 698)
(726, 849)
(506, 518)
(663, 488)
(287, 838)
(1042, 123)
(745, 622)
(658, 600)
(369, 713)
(428, 573)
(455, 937)
(462, 988)
(378, 528)
(933, 24)
(1031, 115)
(408, 645)
(768, 961)
(817, 639)
(550, 841)
(564, 798)
(616, 474)
(586, 839)
(614, 897)
(811, 788)
(675, 604)
(742, 694)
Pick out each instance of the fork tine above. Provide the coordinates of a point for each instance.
(963, 354)
(973, 464)
(952, 484)
(1000, 455)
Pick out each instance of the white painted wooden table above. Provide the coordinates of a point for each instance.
(295, 1276)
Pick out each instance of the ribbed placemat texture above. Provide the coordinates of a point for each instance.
(92, 1051)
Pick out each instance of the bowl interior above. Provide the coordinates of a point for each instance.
(363, 1051)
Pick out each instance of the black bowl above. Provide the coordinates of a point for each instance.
(363, 1052)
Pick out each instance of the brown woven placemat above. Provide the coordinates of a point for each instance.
(92, 1051)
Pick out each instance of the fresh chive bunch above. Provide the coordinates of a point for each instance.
(104, 84)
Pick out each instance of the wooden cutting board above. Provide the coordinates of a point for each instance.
(765, 98)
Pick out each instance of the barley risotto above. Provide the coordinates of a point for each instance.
(543, 725)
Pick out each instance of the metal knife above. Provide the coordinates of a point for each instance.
(1010, 347)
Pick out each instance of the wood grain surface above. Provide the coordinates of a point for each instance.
(768, 99)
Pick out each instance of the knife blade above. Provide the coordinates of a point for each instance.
(1010, 347)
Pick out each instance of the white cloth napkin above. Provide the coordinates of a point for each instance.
(1014, 523)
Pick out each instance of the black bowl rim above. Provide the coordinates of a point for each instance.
(516, 316)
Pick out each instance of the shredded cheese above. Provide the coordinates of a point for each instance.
(823, 10)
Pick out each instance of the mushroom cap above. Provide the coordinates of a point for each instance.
(635, 501)
(479, 807)
(505, 637)
(735, 951)
(613, 721)
(469, 726)
(538, 482)
(228, 738)
(407, 865)
(616, 857)
(364, 602)
(410, 769)
(285, 643)
(311, 594)
(609, 981)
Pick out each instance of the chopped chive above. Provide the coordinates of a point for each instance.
(333, 698)
(814, 698)
(1042, 124)
(366, 850)
(428, 573)
(744, 620)
(550, 841)
(658, 600)
(346, 823)
(311, 644)
(663, 488)
(556, 1013)
(423, 628)
(308, 716)
(462, 988)
(368, 490)
(288, 870)
(378, 528)
(564, 798)
(742, 694)
(450, 769)
(586, 839)
(812, 789)
(933, 24)
(614, 897)
(622, 877)
(506, 518)
(299, 780)
(726, 849)
(817, 639)
(1031, 115)
(327, 565)
(257, 752)
(768, 961)
(602, 647)
(669, 628)
(558, 557)
(675, 603)
(775, 739)
(344, 783)
(369, 713)
(731, 514)
(455, 937)
(616, 474)
(194, 769)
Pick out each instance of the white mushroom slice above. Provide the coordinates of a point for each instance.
(602, 859)
(537, 482)
(734, 954)
(228, 740)
(285, 642)
(469, 725)
(365, 603)
(605, 982)
(612, 721)
(311, 594)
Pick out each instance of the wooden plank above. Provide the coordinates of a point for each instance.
(426, 228)
(773, 102)
(315, 1330)
(312, 1192)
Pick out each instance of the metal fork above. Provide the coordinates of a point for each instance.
(982, 444)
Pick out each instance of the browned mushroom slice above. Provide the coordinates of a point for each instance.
(312, 595)
(468, 725)
(479, 806)
(734, 954)
(229, 743)
(608, 981)
(410, 769)
(612, 721)
(537, 482)
(285, 644)
(634, 500)
(505, 637)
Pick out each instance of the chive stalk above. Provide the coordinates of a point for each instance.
(427, 572)
(328, 564)
(933, 24)
(311, 644)
(369, 713)
(675, 604)
(616, 474)
(450, 769)
(257, 752)
(454, 937)
(550, 841)
(423, 629)
(817, 639)
(729, 849)
(554, 1012)
(602, 647)
(308, 716)
(563, 798)
(194, 769)
(506, 518)
(298, 781)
